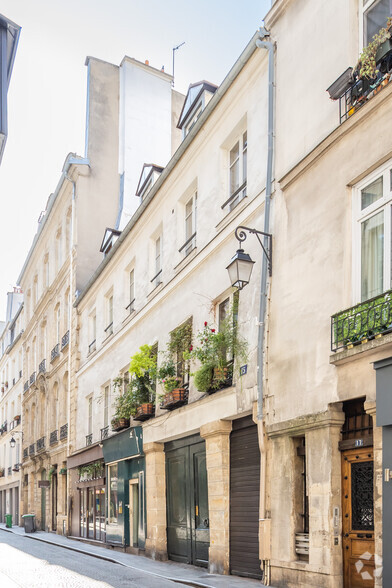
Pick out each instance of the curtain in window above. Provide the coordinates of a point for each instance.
(372, 256)
(376, 18)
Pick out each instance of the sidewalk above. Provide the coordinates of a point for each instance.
(177, 572)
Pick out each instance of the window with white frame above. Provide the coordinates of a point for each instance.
(157, 279)
(109, 314)
(106, 392)
(131, 283)
(375, 14)
(372, 212)
(190, 225)
(90, 415)
(238, 156)
(92, 327)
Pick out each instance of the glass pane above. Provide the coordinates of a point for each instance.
(371, 193)
(376, 18)
(234, 168)
(372, 256)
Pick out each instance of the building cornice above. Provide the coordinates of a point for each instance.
(275, 12)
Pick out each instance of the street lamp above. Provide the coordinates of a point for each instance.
(241, 264)
(12, 440)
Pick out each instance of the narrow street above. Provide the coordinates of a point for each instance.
(33, 564)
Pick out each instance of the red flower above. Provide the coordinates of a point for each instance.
(212, 330)
(205, 324)
(191, 348)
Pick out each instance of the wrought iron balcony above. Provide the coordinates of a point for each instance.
(131, 306)
(157, 279)
(20, 373)
(364, 321)
(5, 427)
(13, 381)
(105, 433)
(109, 329)
(32, 449)
(41, 444)
(25, 453)
(89, 439)
(64, 432)
(64, 340)
(10, 471)
(55, 352)
(26, 386)
(92, 346)
(42, 367)
(53, 437)
(32, 378)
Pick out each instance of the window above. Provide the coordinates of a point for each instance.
(193, 119)
(180, 341)
(131, 305)
(157, 279)
(90, 415)
(238, 171)
(190, 225)
(375, 16)
(372, 235)
(92, 326)
(106, 406)
(109, 314)
(58, 323)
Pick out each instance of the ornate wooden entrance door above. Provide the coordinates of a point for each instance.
(358, 519)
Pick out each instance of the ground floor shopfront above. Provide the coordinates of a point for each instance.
(107, 491)
(10, 502)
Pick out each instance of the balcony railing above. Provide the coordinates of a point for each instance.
(55, 352)
(42, 367)
(13, 381)
(53, 437)
(92, 346)
(32, 378)
(131, 306)
(26, 386)
(5, 427)
(157, 279)
(41, 444)
(25, 453)
(64, 432)
(89, 439)
(364, 321)
(10, 471)
(32, 449)
(20, 373)
(64, 340)
(104, 433)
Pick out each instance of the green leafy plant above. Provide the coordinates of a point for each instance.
(217, 351)
(91, 470)
(366, 66)
(52, 471)
(167, 375)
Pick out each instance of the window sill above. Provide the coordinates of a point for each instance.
(155, 291)
(361, 350)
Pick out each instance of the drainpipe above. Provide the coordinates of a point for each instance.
(264, 43)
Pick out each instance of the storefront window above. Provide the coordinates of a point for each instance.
(114, 530)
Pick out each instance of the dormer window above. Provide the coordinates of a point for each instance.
(196, 100)
(109, 239)
(148, 177)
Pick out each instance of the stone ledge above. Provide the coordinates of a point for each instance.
(362, 350)
(334, 417)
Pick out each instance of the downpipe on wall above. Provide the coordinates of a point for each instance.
(265, 524)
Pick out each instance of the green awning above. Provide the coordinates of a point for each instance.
(124, 445)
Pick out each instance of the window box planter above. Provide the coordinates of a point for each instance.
(144, 411)
(120, 424)
(17, 418)
(383, 49)
(174, 399)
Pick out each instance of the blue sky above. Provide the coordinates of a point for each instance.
(47, 95)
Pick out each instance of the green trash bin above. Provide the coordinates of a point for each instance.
(8, 521)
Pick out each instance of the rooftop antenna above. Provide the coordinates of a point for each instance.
(175, 49)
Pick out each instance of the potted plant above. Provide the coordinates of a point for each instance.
(141, 388)
(216, 352)
(17, 418)
(175, 393)
(63, 471)
(374, 52)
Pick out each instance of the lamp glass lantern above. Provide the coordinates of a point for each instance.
(240, 269)
(12, 442)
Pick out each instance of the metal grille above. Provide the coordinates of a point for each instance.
(53, 437)
(32, 449)
(89, 439)
(55, 352)
(65, 340)
(358, 423)
(32, 378)
(26, 386)
(25, 453)
(64, 431)
(104, 432)
(362, 496)
(42, 367)
(366, 320)
(41, 444)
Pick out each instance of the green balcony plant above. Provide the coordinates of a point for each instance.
(367, 64)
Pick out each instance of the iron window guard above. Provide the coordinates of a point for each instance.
(89, 439)
(65, 340)
(109, 329)
(63, 431)
(233, 195)
(187, 242)
(131, 306)
(92, 346)
(155, 277)
(105, 432)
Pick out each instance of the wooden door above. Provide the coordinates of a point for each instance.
(358, 518)
(187, 505)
